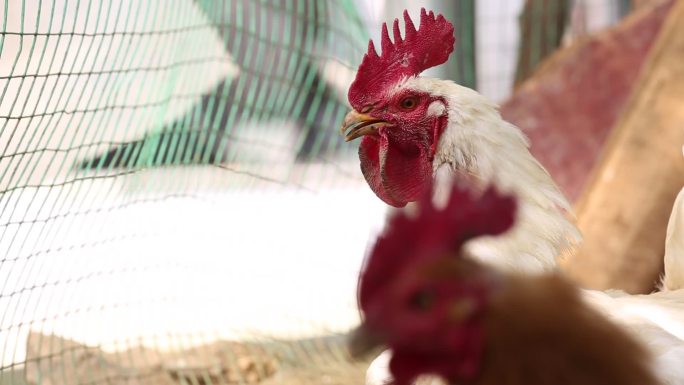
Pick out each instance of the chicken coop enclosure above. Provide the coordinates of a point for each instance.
(177, 205)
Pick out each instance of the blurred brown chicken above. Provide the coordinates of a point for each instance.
(443, 314)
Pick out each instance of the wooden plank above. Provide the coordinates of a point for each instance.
(569, 106)
(624, 211)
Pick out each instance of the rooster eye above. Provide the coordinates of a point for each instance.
(409, 102)
(422, 300)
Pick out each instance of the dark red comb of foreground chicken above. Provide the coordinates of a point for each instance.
(432, 233)
(443, 314)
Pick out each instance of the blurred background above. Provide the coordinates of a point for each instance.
(176, 203)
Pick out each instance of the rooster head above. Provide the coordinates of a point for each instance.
(399, 121)
(422, 300)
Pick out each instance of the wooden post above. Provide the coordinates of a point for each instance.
(623, 213)
(541, 25)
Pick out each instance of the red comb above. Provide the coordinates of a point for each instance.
(432, 233)
(421, 49)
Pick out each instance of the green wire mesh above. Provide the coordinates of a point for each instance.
(542, 25)
(461, 67)
(279, 51)
(109, 110)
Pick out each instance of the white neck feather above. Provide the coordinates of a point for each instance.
(480, 143)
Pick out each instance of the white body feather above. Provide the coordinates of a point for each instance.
(656, 319)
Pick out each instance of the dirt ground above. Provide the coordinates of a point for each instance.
(52, 360)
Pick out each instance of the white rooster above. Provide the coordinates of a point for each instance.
(413, 128)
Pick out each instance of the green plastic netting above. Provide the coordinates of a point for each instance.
(176, 203)
(149, 151)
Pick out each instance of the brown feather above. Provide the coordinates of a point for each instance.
(539, 331)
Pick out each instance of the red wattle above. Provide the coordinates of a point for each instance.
(397, 173)
(371, 150)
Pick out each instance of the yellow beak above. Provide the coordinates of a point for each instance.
(363, 341)
(358, 125)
